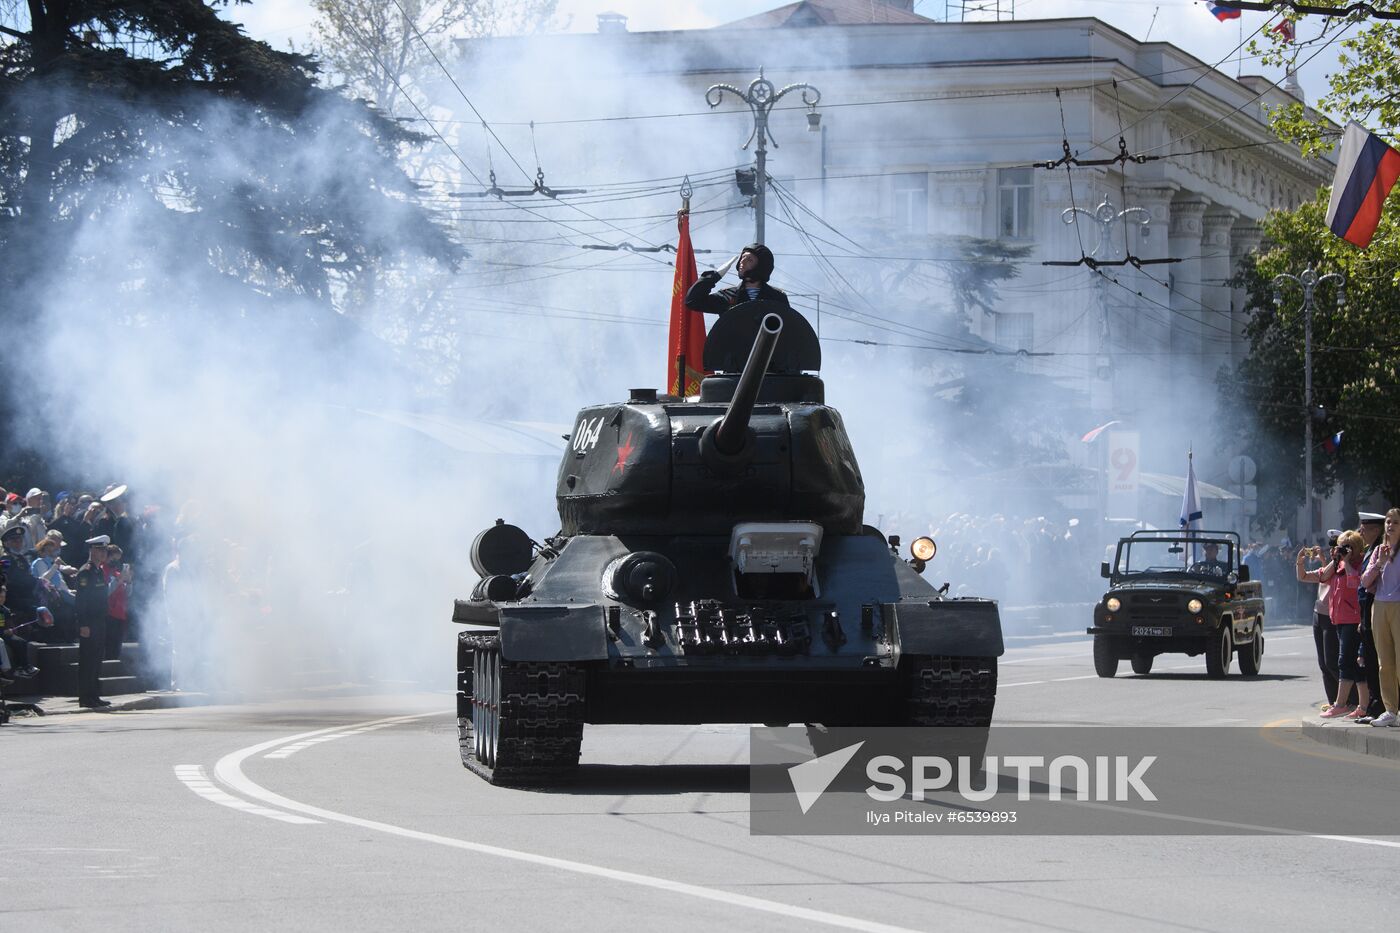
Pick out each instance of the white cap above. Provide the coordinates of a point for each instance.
(113, 494)
(100, 541)
(1364, 517)
(36, 491)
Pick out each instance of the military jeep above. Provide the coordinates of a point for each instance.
(1177, 592)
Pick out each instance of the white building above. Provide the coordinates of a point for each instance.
(930, 129)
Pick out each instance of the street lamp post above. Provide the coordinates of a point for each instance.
(1308, 281)
(761, 95)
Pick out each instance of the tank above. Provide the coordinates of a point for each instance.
(712, 566)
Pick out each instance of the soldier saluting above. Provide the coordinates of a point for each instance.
(755, 267)
(90, 588)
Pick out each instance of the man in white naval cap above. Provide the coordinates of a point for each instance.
(90, 603)
(1372, 526)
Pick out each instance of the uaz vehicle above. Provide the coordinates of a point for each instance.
(712, 566)
(1173, 592)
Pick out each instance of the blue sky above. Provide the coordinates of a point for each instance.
(1184, 23)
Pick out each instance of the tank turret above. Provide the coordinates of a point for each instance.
(759, 444)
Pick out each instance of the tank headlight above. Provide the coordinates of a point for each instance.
(923, 548)
(1194, 606)
(1113, 604)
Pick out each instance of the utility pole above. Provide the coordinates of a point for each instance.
(761, 95)
(1308, 281)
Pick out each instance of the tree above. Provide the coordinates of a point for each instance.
(1356, 369)
(379, 47)
(1365, 87)
(229, 151)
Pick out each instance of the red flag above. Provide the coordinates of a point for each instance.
(1286, 30)
(686, 347)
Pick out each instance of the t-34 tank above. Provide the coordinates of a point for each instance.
(712, 566)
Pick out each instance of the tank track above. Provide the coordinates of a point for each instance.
(535, 708)
(947, 691)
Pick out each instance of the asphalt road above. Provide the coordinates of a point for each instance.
(355, 814)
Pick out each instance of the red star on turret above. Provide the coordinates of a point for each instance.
(624, 451)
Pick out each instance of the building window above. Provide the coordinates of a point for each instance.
(1015, 331)
(1014, 189)
(911, 203)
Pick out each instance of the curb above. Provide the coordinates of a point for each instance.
(1382, 743)
(63, 706)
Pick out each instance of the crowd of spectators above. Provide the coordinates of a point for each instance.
(1356, 619)
(74, 569)
(1014, 559)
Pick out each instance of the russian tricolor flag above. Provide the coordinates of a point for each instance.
(1366, 170)
(1222, 12)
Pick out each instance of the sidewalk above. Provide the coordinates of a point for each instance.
(154, 699)
(1383, 742)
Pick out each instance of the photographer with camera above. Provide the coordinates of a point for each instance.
(1342, 574)
(1324, 635)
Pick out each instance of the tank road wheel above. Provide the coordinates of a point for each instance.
(1252, 654)
(1219, 653)
(1105, 660)
(525, 723)
(1142, 663)
(467, 645)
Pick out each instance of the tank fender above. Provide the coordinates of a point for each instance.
(545, 632)
(967, 627)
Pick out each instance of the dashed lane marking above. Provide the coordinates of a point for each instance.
(193, 777)
(229, 771)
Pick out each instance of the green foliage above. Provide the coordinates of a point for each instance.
(237, 167)
(1364, 87)
(1356, 363)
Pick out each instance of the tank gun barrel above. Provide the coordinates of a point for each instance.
(732, 433)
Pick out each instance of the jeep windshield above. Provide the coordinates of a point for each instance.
(1199, 558)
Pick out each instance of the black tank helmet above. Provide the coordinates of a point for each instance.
(764, 270)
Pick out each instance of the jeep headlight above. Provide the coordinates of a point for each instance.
(1194, 606)
(1113, 604)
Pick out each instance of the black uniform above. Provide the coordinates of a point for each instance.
(698, 298)
(1368, 645)
(91, 605)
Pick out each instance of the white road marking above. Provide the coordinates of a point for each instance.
(288, 751)
(1023, 683)
(192, 776)
(229, 770)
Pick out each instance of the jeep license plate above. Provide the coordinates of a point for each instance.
(1152, 630)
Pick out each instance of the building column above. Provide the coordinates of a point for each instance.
(1151, 243)
(1245, 238)
(1060, 241)
(1184, 242)
(1217, 317)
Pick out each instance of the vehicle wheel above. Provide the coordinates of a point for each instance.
(1218, 655)
(524, 722)
(1105, 659)
(1252, 654)
(1142, 663)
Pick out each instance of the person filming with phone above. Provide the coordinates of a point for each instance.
(1342, 573)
